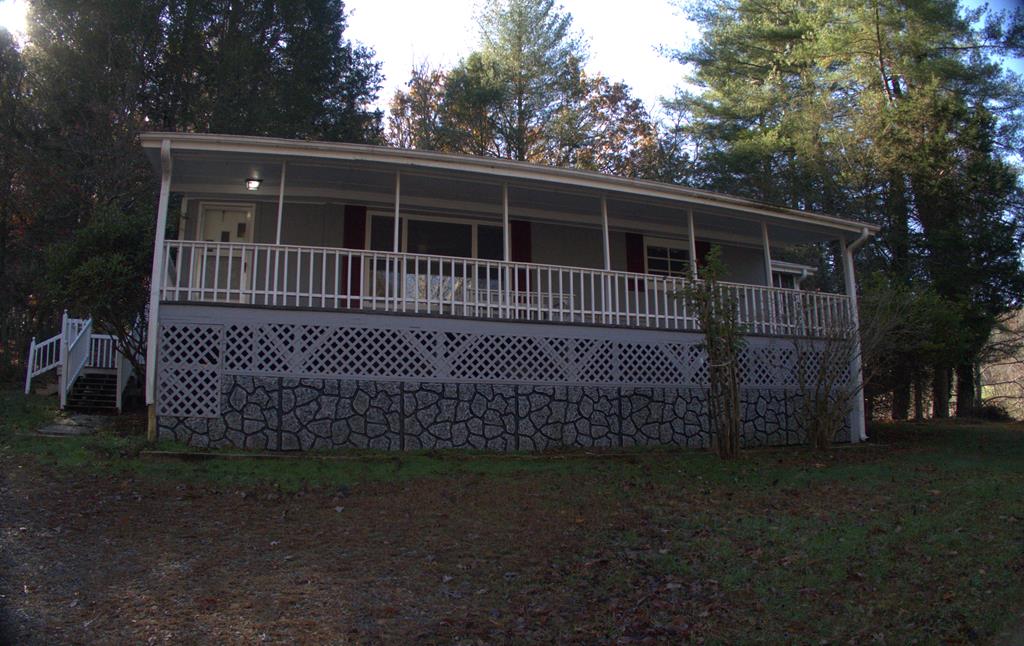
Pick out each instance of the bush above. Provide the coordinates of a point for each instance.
(992, 413)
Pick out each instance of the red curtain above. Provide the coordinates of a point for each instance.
(521, 247)
(354, 238)
(703, 248)
(634, 258)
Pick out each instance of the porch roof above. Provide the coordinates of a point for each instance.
(218, 164)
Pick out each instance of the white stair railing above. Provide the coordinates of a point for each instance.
(50, 354)
(72, 351)
(75, 358)
(124, 372)
(42, 357)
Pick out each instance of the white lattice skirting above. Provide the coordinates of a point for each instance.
(201, 345)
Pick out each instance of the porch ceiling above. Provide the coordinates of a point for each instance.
(219, 165)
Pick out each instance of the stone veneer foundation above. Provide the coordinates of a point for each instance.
(306, 414)
(264, 379)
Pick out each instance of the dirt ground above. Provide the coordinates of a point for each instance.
(100, 561)
(625, 553)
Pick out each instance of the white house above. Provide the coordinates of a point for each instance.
(322, 295)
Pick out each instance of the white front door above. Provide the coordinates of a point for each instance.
(225, 269)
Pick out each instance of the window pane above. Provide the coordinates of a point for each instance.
(382, 233)
(489, 242)
(440, 238)
(787, 281)
(667, 261)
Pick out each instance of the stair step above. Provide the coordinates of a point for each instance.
(94, 392)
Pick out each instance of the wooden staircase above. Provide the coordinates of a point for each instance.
(92, 373)
(94, 392)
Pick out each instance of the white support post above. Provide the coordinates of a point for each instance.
(30, 365)
(858, 431)
(398, 200)
(183, 218)
(604, 233)
(63, 367)
(505, 227)
(767, 255)
(800, 279)
(693, 244)
(155, 283)
(280, 203)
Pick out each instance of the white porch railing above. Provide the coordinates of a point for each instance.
(332, 278)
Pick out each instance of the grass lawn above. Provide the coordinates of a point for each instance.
(917, 537)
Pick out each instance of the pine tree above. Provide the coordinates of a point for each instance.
(891, 110)
(531, 50)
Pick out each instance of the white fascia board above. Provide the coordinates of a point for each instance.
(784, 267)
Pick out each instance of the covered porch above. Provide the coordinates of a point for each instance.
(333, 226)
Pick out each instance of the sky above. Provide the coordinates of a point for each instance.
(622, 44)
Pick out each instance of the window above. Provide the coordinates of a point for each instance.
(489, 242)
(784, 280)
(382, 232)
(437, 237)
(440, 238)
(668, 259)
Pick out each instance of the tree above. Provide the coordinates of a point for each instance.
(451, 111)
(267, 68)
(602, 127)
(102, 272)
(14, 143)
(528, 46)
(891, 110)
(1002, 366)
(893, 319)
(96, 74)
(717, 313)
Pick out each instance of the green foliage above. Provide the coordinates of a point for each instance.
(16, 257)
(895, 111)
(524, 95)
(95, 74)
(102, 271)
(281, 69)
(529, 48)
(717, 312)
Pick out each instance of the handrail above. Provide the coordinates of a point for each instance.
(335, 278)
(124, 373)
(41, 358)
(76, 358)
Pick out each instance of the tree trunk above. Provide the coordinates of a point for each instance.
(901, 395)
(965, 390)
(940, 392)
(919, 398)
(978, 386)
